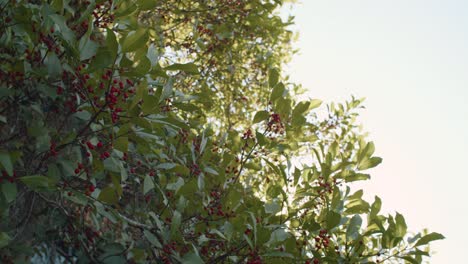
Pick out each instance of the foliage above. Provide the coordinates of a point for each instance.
(144, 131)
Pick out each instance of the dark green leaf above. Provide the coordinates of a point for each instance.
(147, 4)
(88, 48)
(277, 92)
(112, 44)
(400, 225)
(192, 258)
(102, 60)
(148, 184)
(9, 191)
(38, 182)
(5, 160)
(352, 232)
(188, 68)
(4, 239)
(54, 67)
(428, 238)
(175, 223)
(135, 40)
(152, 239)
(273, 77)
(333, 219)
(260, 116)
(109, 195)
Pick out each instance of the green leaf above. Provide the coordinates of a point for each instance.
(83, 115)
(6, 162)
(352, 232)
(314, 103)
(64, 30)
(272, 207)
(152, 239)
(278, 235)
(175, 223)
(135, 40)
(201, 181)
(102, 60)
(175, 186)
(109, 195)
(192, 258)
(190, 68)
(278, 254)
(38, 182)
(368, 163)
(300, 108)
(273, 77)
(88, 48)
(375, 208)
(147, 4)
(141, 89)
(112, 253)
(54, 67)
(357, 177)
(210, 171)
(166, 166)
(428, 238)
(121, 143)
(150, 104)
(148, 184)
(260, 116)
(400, 225)
(111, 42)
(333, 219)
(366, 152)
(77, 198)
(142, 66)
(4, 239)
(9, 191)
(277, 92)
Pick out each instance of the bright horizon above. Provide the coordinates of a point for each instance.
(410, 60)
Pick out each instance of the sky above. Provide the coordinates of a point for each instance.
(409, 58)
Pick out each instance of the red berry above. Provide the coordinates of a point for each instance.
(92, 188)
(77, 170)
(99, 144)
(90, 146)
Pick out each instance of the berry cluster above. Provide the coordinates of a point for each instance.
(103, 14)
(49, 41)
(275, 124)
(322, 240)
(214, 245)
(254, 257)
(7, 177)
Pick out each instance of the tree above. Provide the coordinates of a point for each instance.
(164, 132)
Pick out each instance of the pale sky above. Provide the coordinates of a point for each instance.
(409, 58)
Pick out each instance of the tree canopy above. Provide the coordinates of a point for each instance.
(146, 131)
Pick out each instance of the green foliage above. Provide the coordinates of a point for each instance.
(164, 132)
